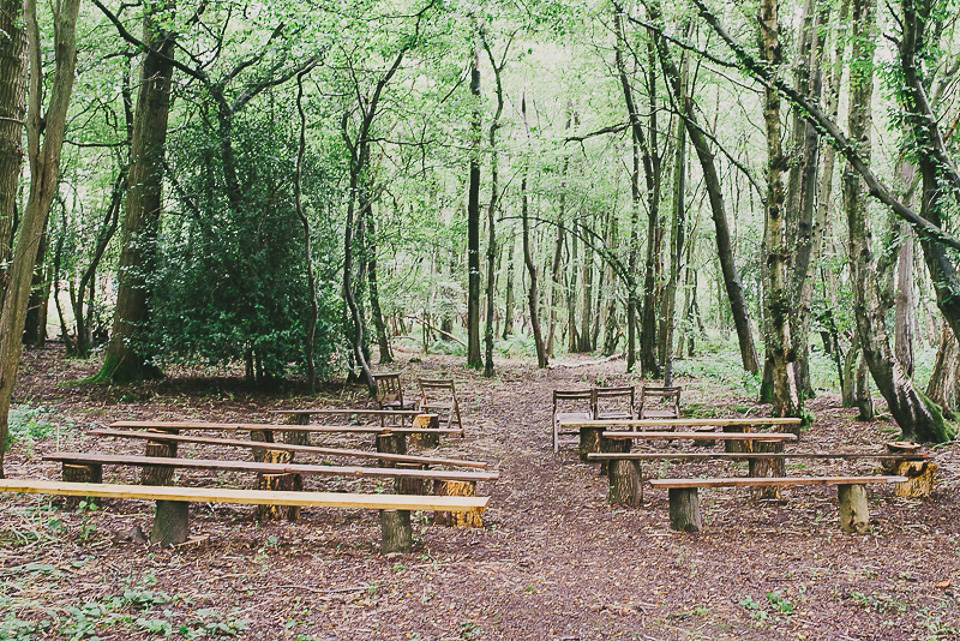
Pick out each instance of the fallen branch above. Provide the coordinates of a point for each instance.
(614, 357)
(435, 329)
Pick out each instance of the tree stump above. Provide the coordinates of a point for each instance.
(156, 474)
(391, 443)
(76, 473)
(278, 482)
(921, 477)
(298, 438)
(626, 486)
(413, 486)
(590, 442)
(426, 421)
(171, 525)
(702, 430)
(685, 515)
(854, 513)
(767, 467)
(456, 519)
(260, 436)
(922, 474)
(396, 533)
(734, 446)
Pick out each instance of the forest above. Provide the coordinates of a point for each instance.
(295, 190)
(222, 210)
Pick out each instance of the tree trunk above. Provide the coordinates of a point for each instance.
(13, 86)
(45, 134)
(509, 286)
(711, 177)
(918, 418)
(123, 361)
(35, 327)
(532, 295)
(474, 358)
(310, 338)
(383, 344)
(489, 331)
(677, 231)
(778, 333)
(944, 386)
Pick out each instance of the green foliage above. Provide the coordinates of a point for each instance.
(28, 424)
(230, 281)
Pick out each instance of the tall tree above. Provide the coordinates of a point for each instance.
(144, 202)
(474, 358)
(13, 69)
(777, 317)
(45, 133)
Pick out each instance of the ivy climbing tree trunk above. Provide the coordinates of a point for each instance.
(13, 70)
(776, 252)
(45, 132)
(917, 417)
(123, 361)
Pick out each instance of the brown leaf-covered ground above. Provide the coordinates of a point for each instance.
(553, 561)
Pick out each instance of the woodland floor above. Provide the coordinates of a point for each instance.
(553, 561)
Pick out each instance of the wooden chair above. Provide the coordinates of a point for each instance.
(390, 392)
(606, 405)
(570, 397)
(659, 402)
(440, 394)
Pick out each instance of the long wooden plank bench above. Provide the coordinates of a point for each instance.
(171, 524)
(765, 437)
(661, 423)
(91, 459)
(686, 516)
(260, 427)
(289, 447)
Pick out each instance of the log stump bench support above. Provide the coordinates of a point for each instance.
(172, 523)
(686, 515)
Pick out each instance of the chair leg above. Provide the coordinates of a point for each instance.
(456, 406)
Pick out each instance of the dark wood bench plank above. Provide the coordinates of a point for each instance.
(682, 422)
(258, 427)
(777, 480)
(702, 436)
(330, 451)
(83, 458)
(728, 456)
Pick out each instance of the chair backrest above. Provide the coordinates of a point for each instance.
(572, 396)
(442, 387)
(626, 395)
(389, 389)
(654, 397)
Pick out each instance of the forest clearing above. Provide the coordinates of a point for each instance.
(553, 560)
(422, 319)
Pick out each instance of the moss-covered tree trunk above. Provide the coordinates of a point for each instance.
(918, 418)
(124, 362)
(13, 86)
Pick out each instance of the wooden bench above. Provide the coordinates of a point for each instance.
(301, 429)
(172, 522)
(685, 514)
(399, 417)
(163, 437)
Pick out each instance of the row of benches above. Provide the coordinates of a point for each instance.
(599, 442)
(421, 482)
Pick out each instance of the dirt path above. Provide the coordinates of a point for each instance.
(553, 562)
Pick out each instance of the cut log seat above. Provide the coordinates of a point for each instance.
(171, 525)
(685, 512)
